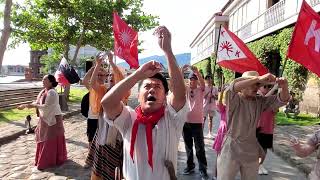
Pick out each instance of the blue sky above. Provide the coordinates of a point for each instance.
(183, 18)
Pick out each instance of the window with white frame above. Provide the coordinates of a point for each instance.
(244, 14)
(231, 22)
(240, 17)
(235, 20)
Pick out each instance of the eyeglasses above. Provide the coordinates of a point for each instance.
(267, 86)
(101, 75)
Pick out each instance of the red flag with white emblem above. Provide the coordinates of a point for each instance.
(125, 41)
(235, 55)
(304, 47)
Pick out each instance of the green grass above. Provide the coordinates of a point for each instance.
(15, 114)
(300, 120)
(76, 94)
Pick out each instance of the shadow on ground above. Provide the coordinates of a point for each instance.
(71, 169)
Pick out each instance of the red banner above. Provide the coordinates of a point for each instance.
(305, 43)
(125, 41)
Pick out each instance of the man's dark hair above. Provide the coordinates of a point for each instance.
(161, 78)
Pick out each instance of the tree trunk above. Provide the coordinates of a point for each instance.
(73, 62)
(6, 30)
(67, 92)
(66, 50)
(66, 55)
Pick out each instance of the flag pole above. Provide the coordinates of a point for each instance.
(284, 66)
(275, 87)
(216, 54)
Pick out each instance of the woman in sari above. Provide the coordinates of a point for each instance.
(51, 145)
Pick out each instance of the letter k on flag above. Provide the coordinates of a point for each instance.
(304, 47)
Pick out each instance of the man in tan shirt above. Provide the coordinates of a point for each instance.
(241, 150)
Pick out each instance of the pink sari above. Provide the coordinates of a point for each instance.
(51, 146)
(217, 144)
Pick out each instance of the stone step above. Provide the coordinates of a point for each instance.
(18, 92)
(30, 97)
(12, 98)
(14, 105)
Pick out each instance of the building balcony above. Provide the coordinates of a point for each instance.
(275, 14)
(203, 54)
(278, 16)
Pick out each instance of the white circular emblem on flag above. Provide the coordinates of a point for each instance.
(125, 37)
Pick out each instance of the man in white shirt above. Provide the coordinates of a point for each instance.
(151, 133)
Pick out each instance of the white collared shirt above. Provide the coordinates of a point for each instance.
(165, 138)
(50, 108)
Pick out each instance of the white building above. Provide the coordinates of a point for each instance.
(249, 20)
(13, 70)
(253, 19)
(205, 42)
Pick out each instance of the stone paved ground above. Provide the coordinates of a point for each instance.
(282, 147)
(17, 157)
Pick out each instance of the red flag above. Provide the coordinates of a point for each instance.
(235, 55)
(125, 41)
(305, 42)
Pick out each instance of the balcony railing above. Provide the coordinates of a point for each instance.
(274, 15)
(314, 2)
(245, 31)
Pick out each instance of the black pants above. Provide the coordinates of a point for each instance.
(92, 125)
(194, 132)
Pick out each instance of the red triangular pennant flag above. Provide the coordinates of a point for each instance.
(235, 55)
(125, 41)
(305, 43)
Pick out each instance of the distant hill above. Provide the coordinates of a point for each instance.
(182, 59)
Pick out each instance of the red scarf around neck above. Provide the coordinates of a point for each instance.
(149, 121)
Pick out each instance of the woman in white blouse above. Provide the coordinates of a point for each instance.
(51, 145)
